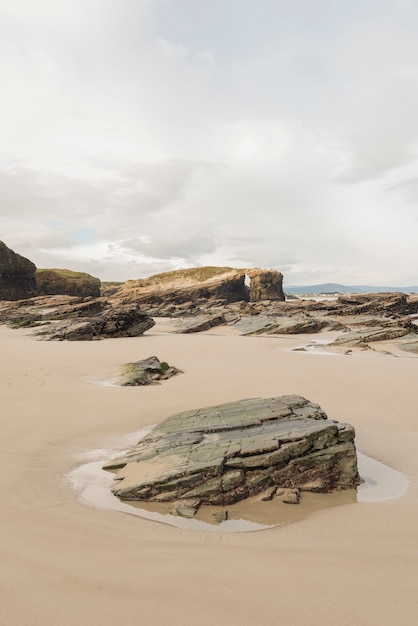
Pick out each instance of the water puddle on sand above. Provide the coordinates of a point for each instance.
(381, 482)
(109, 381)
(315, 346)
(93, 486)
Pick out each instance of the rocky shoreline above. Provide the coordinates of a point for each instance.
(363, 322)
(275, 447)
(65, 305)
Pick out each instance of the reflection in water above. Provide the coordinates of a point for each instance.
(93, 485)
(380, 481)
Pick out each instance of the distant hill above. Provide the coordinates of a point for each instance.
(331, 288)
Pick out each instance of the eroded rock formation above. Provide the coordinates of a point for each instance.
(75, 318)
(265, 285)
(17, 275)
(250, 300)
(67, 282)
(204, 284)
(226, 453)
(112, 321)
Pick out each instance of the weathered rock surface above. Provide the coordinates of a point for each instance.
(147, 372)
(371, 335)
(20, 279)
(182, 286)
(200, 285)
(362, 319)
(269, 325)
(250, 300)
(373, 303)
(74, 318)
(113, 321)
(67, 282)
(265, 285)
(409, 343)
(17, 275)
(226, 453)
(200, 323)
(40, 309)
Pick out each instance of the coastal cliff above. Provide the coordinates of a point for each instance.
(196, 285)
(17, 275)
(66, 282)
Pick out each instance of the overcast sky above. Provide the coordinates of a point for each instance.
(139, 136)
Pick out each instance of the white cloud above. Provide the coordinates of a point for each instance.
(379, 97)
(144, 135)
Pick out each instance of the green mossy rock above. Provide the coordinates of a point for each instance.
(223, 454)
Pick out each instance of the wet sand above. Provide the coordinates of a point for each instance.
(66, 562)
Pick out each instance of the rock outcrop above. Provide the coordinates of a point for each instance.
(224, 454)
(275, 325)
(204, 284)
(362, 319)
(147, 372)
(67, 282)
(112, 321)
(367, 334)
(265, 285)
(20, 279)
(249, 300)
(182, 286)
(75, 318)
(200, 323)
(17, 275)
(45, 309)
(373, 303)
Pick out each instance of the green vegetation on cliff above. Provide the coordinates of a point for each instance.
(196, 274)
(68, 282)
(66, 273)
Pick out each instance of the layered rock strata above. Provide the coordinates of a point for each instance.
(364, 319)
(112, 321)
(223, 454)
(200, 285)
(265, 285)
(76, 319)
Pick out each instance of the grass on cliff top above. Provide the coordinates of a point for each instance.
(66, 273)
(111, 283)
(198, 274)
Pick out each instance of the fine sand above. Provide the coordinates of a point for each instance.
(66, 562)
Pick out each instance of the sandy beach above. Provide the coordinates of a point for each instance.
(66, 562)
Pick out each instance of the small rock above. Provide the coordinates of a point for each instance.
(187, 508)
(220, 516)
(147, 372)
(291, 496)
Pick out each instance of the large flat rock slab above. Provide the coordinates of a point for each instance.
(275, 325)
(226, 453)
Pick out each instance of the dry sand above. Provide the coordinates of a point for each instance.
(67, 563)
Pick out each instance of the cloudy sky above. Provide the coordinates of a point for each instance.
(139, 136)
